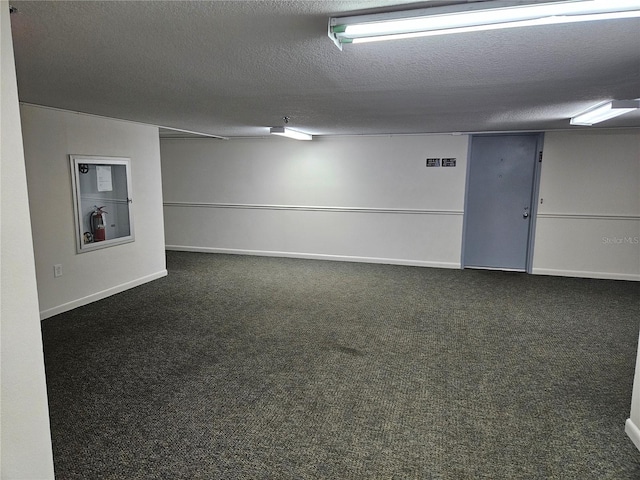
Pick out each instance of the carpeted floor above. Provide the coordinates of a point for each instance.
(239, 367)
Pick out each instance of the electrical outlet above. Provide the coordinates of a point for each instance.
(57, 270)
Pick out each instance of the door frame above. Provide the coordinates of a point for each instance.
(535, 193)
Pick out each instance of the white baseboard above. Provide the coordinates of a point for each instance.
(586, 274)
(65, 307)
(315, 256)
(633, 432)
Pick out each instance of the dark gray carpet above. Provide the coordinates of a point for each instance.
(239, 367)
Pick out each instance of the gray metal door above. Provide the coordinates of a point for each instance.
(499, 201)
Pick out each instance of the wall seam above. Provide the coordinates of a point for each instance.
(588, 216)
(310, 208)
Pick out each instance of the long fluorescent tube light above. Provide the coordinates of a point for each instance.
(605, 111)
(477, 17)
(287, 132)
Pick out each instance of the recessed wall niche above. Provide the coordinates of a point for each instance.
(102, 201)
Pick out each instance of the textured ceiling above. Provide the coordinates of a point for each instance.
(234, 68)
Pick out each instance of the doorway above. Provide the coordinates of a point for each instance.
(500, 202)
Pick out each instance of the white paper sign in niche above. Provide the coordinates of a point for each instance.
(103, 174)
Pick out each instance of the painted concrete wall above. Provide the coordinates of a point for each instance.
(246, 196)
(50, 136)
(351, 198)
(589, 219)
(25, 441)
(632, 426)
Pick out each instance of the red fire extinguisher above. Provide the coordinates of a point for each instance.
(97, 224)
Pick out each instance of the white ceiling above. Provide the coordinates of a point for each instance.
(234, 68)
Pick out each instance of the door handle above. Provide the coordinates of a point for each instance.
(525, 215)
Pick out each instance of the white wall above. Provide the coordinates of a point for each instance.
(352, 198)
(632, 426)
(25, 440)
(241, 196)
(50, 136)
(589, 219)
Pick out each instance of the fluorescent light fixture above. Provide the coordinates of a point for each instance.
(287, 132)
(604, 111)
(490, 15)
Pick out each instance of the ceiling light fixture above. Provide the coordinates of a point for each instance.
(287, 132)
(604, 111)
(490, 15)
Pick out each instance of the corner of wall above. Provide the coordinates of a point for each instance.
(50, 136)
(25, 435)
